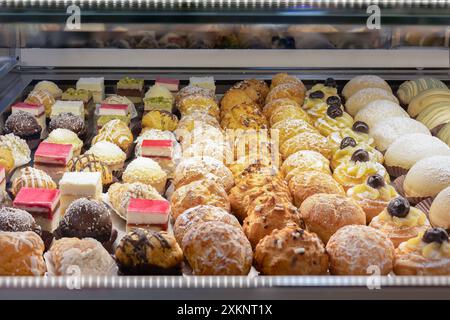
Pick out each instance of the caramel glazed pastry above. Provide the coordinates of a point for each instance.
(426, 254)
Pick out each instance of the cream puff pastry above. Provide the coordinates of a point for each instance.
(426, 254)
(358, 169)
(373, 196)
(400, 222)
(349, 147)
(356, 249)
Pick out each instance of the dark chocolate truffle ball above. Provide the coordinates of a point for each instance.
(69, 121)
(85, 219)
(22, 124)
(17, 220)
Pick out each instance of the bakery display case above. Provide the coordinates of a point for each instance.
(240, 149)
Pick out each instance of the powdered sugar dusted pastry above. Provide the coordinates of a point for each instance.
(306, 160)
(405, 151)
(361, 82)
(218, 151)
(86, 256)
(400, 222)
(428, 177)
(325, 214)
(49, 86)
(278, 104)
(198, 168)
(108, 153)
(197, 193)
(426, 254)
(387, 131)
(193, 120)
(306, 141)
(291, 127)
(199, 214)
(19, 148)
(305, 184)
(364, 96)
(355, 250)
(281, 78)
(217, 248)
(379, 110)
(291, 251)
(267, 213)
(439, 214)
(32, 178)
(21, 254)
(147, 171)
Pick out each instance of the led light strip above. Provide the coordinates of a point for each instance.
(221, 4)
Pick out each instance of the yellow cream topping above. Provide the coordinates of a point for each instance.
(358, 172)
(327, 125)
(414, 218)
(335, 138)
(364, 191)
(432, 250)
(345, 155)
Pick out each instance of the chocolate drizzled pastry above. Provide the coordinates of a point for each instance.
(69, 121)
(86, 219)
(17, 220)
(143, 252)
(23, 125)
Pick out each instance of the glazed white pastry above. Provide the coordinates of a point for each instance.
(428, 177)
(379, 110)
(405, 151)
(387, 131)
(363, 97)
(361, 82)
(439, 211)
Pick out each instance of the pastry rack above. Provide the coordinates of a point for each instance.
(21, 66)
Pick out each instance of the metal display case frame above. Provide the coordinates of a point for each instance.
(21, 67)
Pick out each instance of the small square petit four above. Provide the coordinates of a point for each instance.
(158, 98)
(75, 107)
(94, 85)
(171, 84)
(36, 110)
(76, 185)
(72, 94)
(157, 148)
(204, 82)
(2, 179)
(42, 204)
(53, 158)
(106, 109)
(148, 214)
(131, 88)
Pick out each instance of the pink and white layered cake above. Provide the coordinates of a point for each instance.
(2, 179)
(157, 149)
(53, 158)
(42, 204)
(106, 109)
(148, 214)
(171, 84)
(36, 110)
